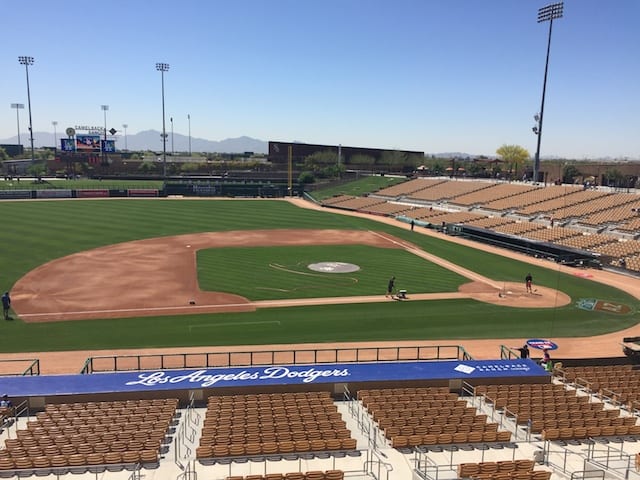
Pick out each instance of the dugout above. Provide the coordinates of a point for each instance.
(558, 253)
(222, 188)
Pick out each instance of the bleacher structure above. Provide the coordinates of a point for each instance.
(429, 418)
(602, 223)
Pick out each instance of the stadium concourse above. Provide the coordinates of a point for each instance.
(445, 417)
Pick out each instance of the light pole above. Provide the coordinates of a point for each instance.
(545, 14)
(55, 135)
(163, 67)
(104, 147)
(18, 106)
(26, 61)
(171, 120)
(124, 125)
(189, 119)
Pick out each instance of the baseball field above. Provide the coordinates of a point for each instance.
(150, 273)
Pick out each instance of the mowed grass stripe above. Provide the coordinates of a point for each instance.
(269, 273)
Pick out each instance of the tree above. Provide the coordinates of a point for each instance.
(393, 159)
(37, 169)
(614, 178)
(570, 173)
(513, 155)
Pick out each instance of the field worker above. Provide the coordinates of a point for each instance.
(528, 280)
(6, 304)
(391, 286)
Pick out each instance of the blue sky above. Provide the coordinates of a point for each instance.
(436, 76)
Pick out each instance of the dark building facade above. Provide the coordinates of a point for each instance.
(279, 153)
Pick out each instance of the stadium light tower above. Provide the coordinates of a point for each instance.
(55, 135)
(124, 125)
(104, 147)
(171, 120)
(189, 119)
(545, 14)
(18, 107)
(26, 61)
(163, 67)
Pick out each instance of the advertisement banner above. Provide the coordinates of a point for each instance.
(67, 145)
(268, 376)
(88, 143)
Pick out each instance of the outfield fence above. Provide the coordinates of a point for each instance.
(116, 363)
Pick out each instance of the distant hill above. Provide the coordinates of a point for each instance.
(151, 140)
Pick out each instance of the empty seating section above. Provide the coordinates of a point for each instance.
(337, 199)
(410, 417)
(407, 188)
(614, 215)
(435, 216)
(447, 191)
(633, 263)
(459, 217)
(619, 383)
(588, 241)
(518, 228)
(557, 413)
(599, 201)
(555, 207)
(358, 203)
(553, 234)
(490, 222)
(92, 433)
(522, 469)
(424, 214)
(548, 199)
(493, 192)
(310, 475)
(259, 424)
(619, 249)
(631, 226)
(388, 208)
(542, 194)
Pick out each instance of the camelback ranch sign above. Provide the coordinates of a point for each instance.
(596, 305)
(282, 375)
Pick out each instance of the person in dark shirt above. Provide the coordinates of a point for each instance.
(391, 286)
(6, 304)
(528, 280)
(524, 351)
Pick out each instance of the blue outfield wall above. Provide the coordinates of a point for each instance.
(267, 376)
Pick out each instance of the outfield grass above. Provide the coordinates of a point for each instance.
(359, 187)
(269, 273)
(37, 232)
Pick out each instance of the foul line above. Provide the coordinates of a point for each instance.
(471, 275)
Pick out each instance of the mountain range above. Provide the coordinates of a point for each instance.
(152, 140)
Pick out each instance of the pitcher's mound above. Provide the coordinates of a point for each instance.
(516, 295)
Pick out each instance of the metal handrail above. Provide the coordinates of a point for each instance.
(115, 363)
(33, 366)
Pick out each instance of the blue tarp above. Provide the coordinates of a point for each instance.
(157, 380)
